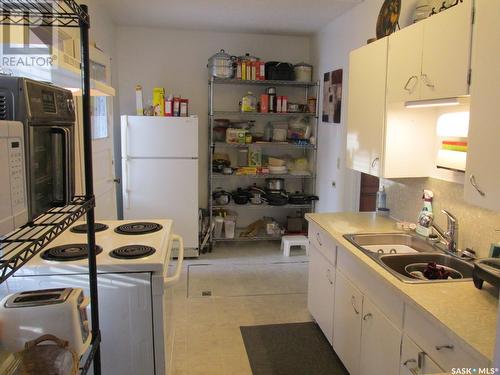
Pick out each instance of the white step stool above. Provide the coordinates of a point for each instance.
(288, 241)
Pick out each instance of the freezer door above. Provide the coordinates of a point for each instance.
(157, 137)
(163, 189)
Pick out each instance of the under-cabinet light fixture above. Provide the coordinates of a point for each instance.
(433, 103)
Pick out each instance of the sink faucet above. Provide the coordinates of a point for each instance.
(450, 236)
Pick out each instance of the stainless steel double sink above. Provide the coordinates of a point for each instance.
(400, 253)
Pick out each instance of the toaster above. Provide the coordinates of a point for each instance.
(28, 315)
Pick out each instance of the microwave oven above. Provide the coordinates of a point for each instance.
(13, 204)
(48, 116)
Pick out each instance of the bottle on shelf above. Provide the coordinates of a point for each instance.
(268, 132)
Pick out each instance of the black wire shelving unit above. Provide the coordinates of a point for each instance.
(17, 248)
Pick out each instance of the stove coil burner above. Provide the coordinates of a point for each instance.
(82, 228)
(69, 252)
(132, 252)
(138, 228)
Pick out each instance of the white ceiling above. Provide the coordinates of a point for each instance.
(294, 17)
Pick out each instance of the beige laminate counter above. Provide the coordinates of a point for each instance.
(468, 312)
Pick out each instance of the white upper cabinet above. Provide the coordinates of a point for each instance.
(482, 185)
(431, 59)
(446, 53)
(404, 64)
(366, 107)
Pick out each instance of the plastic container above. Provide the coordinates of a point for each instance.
(303, 72)
(242, 157)
(229, 226)
(279, 135)
(219, 223)
(249, 103)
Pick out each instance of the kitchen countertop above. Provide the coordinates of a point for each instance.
(468, 312)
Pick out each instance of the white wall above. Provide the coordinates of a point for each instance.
(330, 51)
(176, 60)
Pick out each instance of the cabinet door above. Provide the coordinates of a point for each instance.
(366, 107)
(415, 361)
(446, 53)
(347, 323)
(483, 157)
(404, 63)
(380, 342)
(321, 291)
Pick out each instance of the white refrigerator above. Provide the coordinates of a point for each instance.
(160, 172)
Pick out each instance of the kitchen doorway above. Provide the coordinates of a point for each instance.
(102, 155)
(368, 193)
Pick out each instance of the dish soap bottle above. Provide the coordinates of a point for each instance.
(426, 217)
(381, 199)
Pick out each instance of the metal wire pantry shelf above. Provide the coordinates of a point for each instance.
(62, 13)
(262, 176)
(237, 237)
(233, 81)
(19, 246)
(262, 114)
(265, 144)
(262, 206)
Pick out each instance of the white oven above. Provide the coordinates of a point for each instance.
(135, 294)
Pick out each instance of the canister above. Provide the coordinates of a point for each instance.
(303, 72)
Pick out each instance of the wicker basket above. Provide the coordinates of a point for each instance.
(48, 359)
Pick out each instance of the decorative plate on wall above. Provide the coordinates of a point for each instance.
(388, 17)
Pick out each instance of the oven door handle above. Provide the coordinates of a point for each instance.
(67, 162)
(171, 280)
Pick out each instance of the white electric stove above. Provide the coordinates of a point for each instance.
(134, 286)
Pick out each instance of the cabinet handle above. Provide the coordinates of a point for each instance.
(353, 301)
(408, 361)
(441, 347)
(368, 316)
(319, 239)
(408, 83)
(427, 81)
(473, 182)
(329, 276)
(374, 161)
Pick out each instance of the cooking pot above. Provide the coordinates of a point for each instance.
(241, 196)
(277, 198)
(48, 359)
(221, 65)
(218, 165)
(257, 195)
(221, 197)
(275, 184)
(301, 198)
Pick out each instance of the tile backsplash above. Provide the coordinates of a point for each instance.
(477, 227)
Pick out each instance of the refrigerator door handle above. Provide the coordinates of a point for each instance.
(126, 184)
(170, 280)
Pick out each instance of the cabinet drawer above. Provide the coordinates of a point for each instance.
(372, 285)
(439, 343)
(325, 243)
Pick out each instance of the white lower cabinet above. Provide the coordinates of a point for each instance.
(380, 342)
(320, 294)
(415, 361)
(347, 323)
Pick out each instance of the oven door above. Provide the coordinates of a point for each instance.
(163, 312)
(50, 167)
